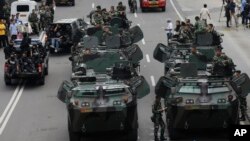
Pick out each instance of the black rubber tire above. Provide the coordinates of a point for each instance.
(132, 135)
(173, 133)
(73, 136)
(42, 80)
(143, 9)
(163, 9)
(7, 81)
(46, 70)
(73, 3)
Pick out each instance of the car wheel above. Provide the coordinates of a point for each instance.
(163, 9)
(7, 81)
(42, 80)
(46, 71)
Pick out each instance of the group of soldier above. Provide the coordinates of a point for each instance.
(42, 18)
(102, 16)
(26, 59)
(186, 32)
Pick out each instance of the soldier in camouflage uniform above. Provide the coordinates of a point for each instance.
(97, 17)
(48, 17)
(242, 98)
(42, 17)
(105, 16)
(6, 10)
(223, 65)
(157, 119)
(33, 19)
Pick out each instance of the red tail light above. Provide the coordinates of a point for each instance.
(6, 67)
(40, 66)
(230, 98)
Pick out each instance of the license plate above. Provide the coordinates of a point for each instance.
(22, 15)
(85, 110)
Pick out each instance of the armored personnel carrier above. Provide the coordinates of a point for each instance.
(196, 96)
(90, 54)
(100, 103)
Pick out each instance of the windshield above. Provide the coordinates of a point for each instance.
(22, 8)
(32, 42)
(217, 89)
(190, 89)
(114, 91)
(80, 93)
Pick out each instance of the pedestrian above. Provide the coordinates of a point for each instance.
(169, 29)
(2, 34)
(227, 13)
(247, 13)
(13, 30)
(157, 119)
(243, 14)
(232, 10)
(205, 14)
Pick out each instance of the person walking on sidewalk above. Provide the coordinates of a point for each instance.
(2, 34)
(204, 14)
(227, 13)
(232, 7)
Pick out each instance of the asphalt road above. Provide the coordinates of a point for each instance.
(33, 113)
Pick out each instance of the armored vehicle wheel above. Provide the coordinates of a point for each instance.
(73, 3)
(132, 135)
(173, 133)
(7, 80)
(42, 80)
(73, 136)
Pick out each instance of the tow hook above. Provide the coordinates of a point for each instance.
(186, 125)
(84, 128)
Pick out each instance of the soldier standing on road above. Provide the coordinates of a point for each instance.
(157, 119)
(242, 98)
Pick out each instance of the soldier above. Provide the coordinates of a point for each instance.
(157, 119)
(97, 16)
(199, 25)
(223, 65)
(242, 99)
(42, 17)
(121, 7)
(13, 65)
(112, 12)
(27, 64)
(105, 16)
(106, 33)
(33, 19)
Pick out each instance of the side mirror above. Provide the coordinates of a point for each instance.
(64, 91)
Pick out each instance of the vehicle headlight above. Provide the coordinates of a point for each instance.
(117, 102)
(85, 104)
(221, 100)
(189, 101)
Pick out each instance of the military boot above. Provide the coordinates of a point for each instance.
(156, 138)
(243, 118)
(162, 138)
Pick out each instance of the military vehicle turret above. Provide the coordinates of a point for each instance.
(196, 95)
(90, 54)
(100, 103)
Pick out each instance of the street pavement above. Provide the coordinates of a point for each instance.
(33, 113)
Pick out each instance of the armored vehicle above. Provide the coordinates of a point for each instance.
(90, 53)
(197, 96)
(101, 103)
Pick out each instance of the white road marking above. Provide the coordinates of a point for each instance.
(177, 12)
(147, 57)
(135, 15)
(12, 109)
(152, 80)
(143, 41)
(9, 104)
(93, 5)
